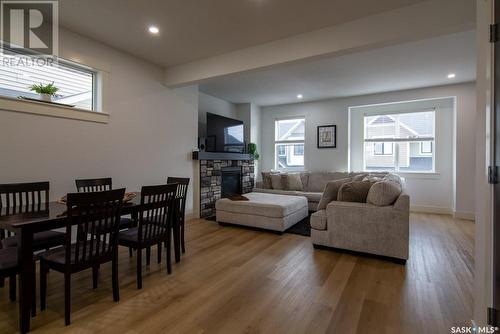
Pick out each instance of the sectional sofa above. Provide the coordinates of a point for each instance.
(360, 227)
(313, 185)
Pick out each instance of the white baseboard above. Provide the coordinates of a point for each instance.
(431, 209)
(443, 211)
(464, 215)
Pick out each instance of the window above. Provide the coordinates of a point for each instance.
(426, 147)
(298, 150)
(382, 149)
(401, 142)
(76, 83)
(289, 143)
(281, 150)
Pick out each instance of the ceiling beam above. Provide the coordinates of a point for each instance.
(420, 21)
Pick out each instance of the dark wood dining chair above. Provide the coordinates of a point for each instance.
(9, 267)
(92, 185)
(182, 189)
(96, 216)
(101, 184)
(21, 198)
(157, 211)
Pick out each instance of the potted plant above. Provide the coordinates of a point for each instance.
(45, 91)
(252, 150)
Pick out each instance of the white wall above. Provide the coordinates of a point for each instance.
(335, 111)
(250, 114)
(150, 135)
(256, 133)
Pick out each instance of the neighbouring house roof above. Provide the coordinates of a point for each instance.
(420, 124)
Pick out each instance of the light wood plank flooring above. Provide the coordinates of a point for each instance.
(233, 280)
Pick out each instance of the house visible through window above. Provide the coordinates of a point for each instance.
(76, 83)
(289, 143)
(426, 147)
(400, 141)
(298, 150)
(382, 148)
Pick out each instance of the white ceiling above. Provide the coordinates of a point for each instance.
(195, 29)
(418, 64)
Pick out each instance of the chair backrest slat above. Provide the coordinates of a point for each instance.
(96, 216)
(157, 212)
(14, 197)
(93, 185)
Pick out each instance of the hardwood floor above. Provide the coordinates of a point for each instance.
(233, 280)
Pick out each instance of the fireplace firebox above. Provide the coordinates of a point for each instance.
(231, 181)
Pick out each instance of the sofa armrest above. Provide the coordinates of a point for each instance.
(402, 203)
(368, 228)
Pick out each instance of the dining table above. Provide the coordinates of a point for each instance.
(51, 216)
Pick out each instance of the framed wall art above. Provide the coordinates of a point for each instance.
(327, 136)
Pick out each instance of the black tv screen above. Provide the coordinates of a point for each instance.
(224, 134)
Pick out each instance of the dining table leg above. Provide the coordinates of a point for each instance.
(26, 276)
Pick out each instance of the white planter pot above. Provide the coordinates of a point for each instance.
(45, 97)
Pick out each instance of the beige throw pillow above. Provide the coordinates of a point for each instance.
(394, 178)
(293, 182)
(304, 177)
(266, 180)
(330, 192)
(277, 181)
(384, 193)
(359, 177)
(354, 191)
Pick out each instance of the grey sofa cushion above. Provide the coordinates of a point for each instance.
(311, 197)
(292, 181)
(384, 193)
(275, 191)
(354, 191)
(267, 205)
(318, 220)
(330, 192)
(318, 181)
(277, 182)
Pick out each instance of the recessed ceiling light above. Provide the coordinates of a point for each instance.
(451, 75)
(153, 30)
(299, 96)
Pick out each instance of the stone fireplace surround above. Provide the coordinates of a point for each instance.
(211, 181)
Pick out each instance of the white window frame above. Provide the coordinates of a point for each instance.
(100, 103)
(288, 142)
(397, 141)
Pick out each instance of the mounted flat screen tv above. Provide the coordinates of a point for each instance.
(224, 134)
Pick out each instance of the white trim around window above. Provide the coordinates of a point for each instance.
(98, 114)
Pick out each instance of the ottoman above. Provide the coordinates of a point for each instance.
(262, 210)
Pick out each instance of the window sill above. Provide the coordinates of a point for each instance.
(44, 109)
(420, 175)
(413, 175)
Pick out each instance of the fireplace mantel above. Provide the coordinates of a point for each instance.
(202, 155)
